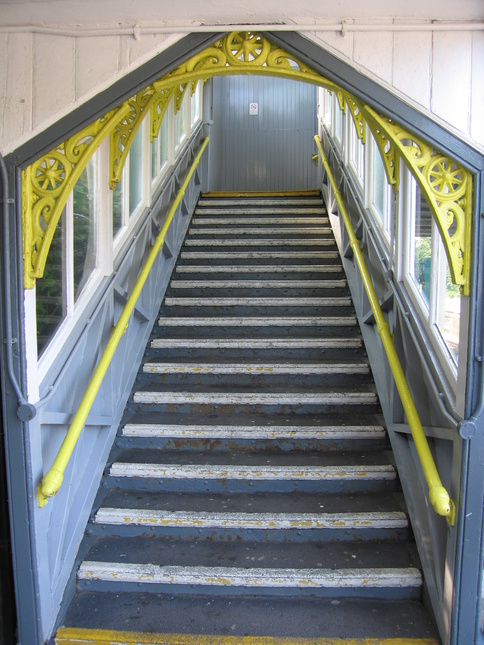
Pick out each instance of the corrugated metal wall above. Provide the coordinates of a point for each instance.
(270, 150)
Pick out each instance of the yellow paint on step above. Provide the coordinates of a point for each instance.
(74, 636)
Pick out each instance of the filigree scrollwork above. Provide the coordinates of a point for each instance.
(246, 47)
(46, 186)
(123, 134)
(245, 53)
(357, 114)
(158, 109)
(447, 187)
(180, 92)
(47, 183)
(388, 152)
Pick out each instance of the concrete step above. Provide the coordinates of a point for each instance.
(258, 284)
(258, 321)
(285, 256)
(377, 582)
(262, 242)
(247, 210)
(254, 369)
(266, 201)
(259, 231)
(221, 220)
(260, 269)
(247, 301)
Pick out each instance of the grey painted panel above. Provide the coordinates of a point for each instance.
(270, 150)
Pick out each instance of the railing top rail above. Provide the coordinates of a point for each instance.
(52, 480)
(438, 495)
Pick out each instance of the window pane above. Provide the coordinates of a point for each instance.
(378, 180)
(163, 141)
(50, 290)
(118, 201)
(85, 226)
(135, 172)
(195, 103)
(423, 247)
(338, 121)
(448, 306)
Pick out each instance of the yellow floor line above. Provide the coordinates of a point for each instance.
(73, 636)
(256, 193)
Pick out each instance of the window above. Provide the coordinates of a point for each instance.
(161, 148)
(182, 120)
(73, 257)
(96, 224)
(356, 155)
(380, 197)
(429, 278)
(196, 104)
(337, 121)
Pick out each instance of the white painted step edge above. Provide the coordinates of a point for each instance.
(261, 242)
(259, 211)
(256, 343)
(245, 577)
(255, 398)
(277, 268)
(262, 521)
(260, 230)
(252, 432)
(262, 302)
(260, 473)
(258, 284)
(259, 221)
(267, 321)
(258, 255)
(244, 368)
(259, 201)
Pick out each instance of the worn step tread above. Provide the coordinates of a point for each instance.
(229, 367)
(259, 255)
(235, 577)
(247, 472)
(244, 210)
(257, 284)
(223, 220)
(253, 520)
(266, 268)
(245, 301)
(257, 321)
(257, 343)
(252, 432)
(264, 242)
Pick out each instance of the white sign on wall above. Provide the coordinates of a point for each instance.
(253, 109)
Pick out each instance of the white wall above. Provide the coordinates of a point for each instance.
(46, 76)
(439, 72)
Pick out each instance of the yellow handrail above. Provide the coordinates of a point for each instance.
(52, 480)
(439, 497)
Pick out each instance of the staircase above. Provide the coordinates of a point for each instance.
(251, 496)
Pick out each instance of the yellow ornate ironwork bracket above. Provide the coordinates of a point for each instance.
(46, 186)
(158, 109)
(389, 155)
(122, 136)
(357, 114)
(447, 187)
(245, 53)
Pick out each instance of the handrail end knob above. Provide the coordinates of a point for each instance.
(49, 486)
(442, 504)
